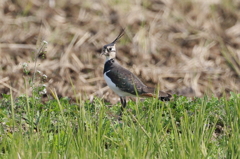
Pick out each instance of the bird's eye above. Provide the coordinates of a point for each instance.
(110, 49)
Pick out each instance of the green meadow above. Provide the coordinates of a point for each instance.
(207, 127)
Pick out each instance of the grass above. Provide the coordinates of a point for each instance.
(59, 128)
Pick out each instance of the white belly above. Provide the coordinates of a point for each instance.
(114, 88)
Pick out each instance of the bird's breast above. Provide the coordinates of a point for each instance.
(113, 86)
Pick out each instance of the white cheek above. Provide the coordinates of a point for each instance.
(112, 54)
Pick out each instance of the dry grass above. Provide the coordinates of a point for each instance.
(188, 47)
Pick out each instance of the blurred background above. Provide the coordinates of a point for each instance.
(187, 47)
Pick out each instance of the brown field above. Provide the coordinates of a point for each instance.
(187, 47)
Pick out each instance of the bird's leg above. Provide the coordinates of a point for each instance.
(123, 102)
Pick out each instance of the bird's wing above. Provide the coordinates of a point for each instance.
(126, 80)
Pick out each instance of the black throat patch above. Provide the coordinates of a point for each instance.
(108, 65)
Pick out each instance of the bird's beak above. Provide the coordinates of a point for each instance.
(102, 53)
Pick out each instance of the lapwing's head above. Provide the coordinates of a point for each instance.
(109, 50)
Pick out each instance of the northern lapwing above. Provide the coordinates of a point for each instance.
(122, 81)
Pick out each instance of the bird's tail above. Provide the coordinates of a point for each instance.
(152, 92)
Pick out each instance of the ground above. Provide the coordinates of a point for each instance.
(188, 47)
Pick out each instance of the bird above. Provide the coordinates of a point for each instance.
(123, 82)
